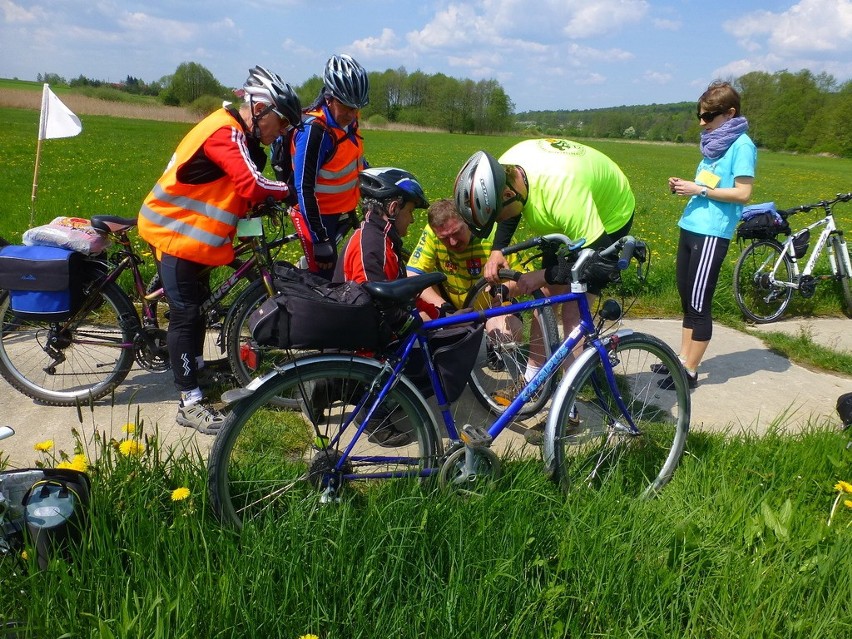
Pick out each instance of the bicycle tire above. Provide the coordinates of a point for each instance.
(498, 373)
(841, 257)
(758, 300)
(269, 455)
(96, 348)
(597, 447)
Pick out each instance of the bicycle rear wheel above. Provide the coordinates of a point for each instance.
(592, 442)
(498, 374)
(760, 300)
(273, 455)
(841, 255)
(63, 363)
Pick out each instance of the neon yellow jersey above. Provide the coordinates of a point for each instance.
(462, 269)
(573, 189)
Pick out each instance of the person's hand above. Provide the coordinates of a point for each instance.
(683, 187)
(324, 255)
(529, 282)
(495, 262)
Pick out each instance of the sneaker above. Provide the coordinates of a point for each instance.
(660, 369)
(505, 396)
(203, 418)
(381, 430)
(668, 382)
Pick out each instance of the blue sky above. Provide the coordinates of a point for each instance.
(547, 54)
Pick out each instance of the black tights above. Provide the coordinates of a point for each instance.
(699, 260)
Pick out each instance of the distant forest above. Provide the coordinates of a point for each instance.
(795, 112)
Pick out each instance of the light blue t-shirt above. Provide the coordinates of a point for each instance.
(708, 217)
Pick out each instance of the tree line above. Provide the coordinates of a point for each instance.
(797, 112)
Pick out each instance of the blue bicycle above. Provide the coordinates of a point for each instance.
(620, 412)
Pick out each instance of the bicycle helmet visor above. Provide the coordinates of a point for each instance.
(264, 86)
(387, 183)
(478, 192)
(347, 81)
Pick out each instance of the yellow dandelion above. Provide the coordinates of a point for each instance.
(24, 555)
(130, 447)
(65, 464)
(129, 428)
(179, 494)
(847, 503)
(45, 446)
(79, 462)
(308, 637)
(843, 487)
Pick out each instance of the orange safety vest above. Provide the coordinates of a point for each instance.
(337, 180)
(195, 222)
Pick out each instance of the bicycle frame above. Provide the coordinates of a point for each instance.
(822, 239)
(584, 330)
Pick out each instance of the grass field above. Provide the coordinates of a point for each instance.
(113, 163)
(737, 546)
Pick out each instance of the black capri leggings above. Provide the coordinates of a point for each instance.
(699, 260)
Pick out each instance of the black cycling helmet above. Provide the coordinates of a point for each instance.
(478, 192)
(386, 183)
(347, 81)
(264, 86)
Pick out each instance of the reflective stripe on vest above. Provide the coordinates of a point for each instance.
(337, 180)
(193, 221)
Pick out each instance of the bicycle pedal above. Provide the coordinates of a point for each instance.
(475, 437)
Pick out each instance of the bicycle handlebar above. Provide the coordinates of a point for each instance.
(822, 204)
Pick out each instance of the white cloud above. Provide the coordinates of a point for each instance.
(387, 44)
(809, 26)
(657, 77)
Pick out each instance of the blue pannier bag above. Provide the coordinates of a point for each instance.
(40, 281)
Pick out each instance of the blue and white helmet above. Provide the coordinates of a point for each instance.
(387, 182)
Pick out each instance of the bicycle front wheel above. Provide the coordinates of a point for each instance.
(841, 256)
(760, 300)
(273, 455)
(498, 374)
(63, 363)
(593, 441)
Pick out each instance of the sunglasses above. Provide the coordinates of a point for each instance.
(709, 116)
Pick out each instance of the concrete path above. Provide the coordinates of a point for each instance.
(743, 387)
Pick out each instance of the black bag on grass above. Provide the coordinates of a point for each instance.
(310, 312)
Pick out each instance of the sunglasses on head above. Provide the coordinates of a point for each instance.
(708, 116)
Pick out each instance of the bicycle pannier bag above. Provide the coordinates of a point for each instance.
(55, 510)
(454, 353)
(310, 312)
(41, 281)
(761, 222)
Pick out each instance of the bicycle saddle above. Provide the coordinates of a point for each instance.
(402, 290)
(112, 223)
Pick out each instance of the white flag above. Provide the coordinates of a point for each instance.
(57, 120)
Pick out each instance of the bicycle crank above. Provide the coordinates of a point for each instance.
(469, 470)
(150, 349)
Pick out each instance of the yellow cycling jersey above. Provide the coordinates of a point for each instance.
(462, 269)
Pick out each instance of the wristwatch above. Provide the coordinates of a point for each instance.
(703, 192)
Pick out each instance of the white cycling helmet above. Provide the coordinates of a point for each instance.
(264, 86)
(478, 192)
(347, 81)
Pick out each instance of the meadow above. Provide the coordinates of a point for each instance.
(738, 545)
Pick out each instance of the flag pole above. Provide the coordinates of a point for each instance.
(41, 128)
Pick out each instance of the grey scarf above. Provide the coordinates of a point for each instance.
(715, 143)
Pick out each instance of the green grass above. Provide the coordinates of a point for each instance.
(736, 546)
